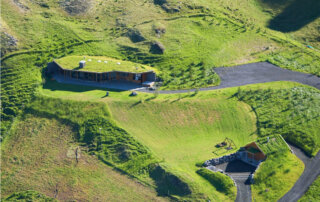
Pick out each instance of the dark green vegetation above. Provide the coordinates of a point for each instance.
(313, 193)
(290, 112)
(222, 182)
(28, 196)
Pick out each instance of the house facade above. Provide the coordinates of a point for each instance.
(143, 78)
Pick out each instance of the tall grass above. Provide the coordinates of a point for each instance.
(291, 112)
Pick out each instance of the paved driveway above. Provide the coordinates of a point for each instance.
(260, 72)
(310, 174)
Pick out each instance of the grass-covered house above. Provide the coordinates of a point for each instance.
(102, 69)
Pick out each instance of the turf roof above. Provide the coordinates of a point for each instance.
(101, 64)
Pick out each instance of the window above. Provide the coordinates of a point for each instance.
(138, 77)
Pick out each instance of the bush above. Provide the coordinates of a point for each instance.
(28, 196)
(220, 181)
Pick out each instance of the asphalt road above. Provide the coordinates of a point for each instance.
(253, 73)
(240, 172)
(310, 173)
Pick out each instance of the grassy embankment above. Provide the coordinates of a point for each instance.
(220, 181)
(40, 154)
(313, 193)
(278, 173)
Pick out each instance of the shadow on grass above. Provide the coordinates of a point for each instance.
(54, 85)
(295, 16)
(168, 183)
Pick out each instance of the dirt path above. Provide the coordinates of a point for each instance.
(310, 174)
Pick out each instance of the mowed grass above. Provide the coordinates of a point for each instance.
(184, 132)
(101, 64)
(40, 155)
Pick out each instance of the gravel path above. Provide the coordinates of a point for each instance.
(261, 72)
(310, 174)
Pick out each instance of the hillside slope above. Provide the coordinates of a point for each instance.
(41, 155)
(196, 35)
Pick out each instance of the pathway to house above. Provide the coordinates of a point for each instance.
(310, 173)
(253, 73)
(239, 171)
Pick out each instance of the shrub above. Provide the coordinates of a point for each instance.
(220, 181)
(28, 196)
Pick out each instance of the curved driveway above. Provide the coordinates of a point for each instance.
(253, 73)
(310, 174)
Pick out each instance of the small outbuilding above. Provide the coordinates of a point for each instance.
(254, 152)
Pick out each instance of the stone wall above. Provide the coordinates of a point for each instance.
(240, 155)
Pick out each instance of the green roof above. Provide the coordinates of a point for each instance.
(276, 143)
(101, 64)
(253, 150)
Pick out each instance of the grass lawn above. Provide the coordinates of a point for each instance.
(313, 193)
(40, 155)
(101, 64)
(184, 132)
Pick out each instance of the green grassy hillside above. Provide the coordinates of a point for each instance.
(40, 154)
(275, 177)
(195, 36)
(182, 130)
(185, 41)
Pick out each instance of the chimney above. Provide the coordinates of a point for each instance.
(82, 63)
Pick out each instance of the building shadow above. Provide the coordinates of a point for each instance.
(295, 16)
(56, 86)
(237, 166)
